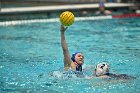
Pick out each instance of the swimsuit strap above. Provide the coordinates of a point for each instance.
(79, 68)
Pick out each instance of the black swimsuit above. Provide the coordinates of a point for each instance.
(79, 68)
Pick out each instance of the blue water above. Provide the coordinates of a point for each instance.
(29, 53)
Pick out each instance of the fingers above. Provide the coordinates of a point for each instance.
(66, 28)
(63, 28)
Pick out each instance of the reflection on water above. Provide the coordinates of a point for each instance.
(30, 53)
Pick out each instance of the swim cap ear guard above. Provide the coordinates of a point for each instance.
(73, 56)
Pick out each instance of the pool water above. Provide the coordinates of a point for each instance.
(29, 53)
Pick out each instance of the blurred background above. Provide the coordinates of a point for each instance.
(17, 9)
(25, 3)
(30, 45)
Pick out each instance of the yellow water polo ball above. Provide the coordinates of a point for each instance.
(67, 18)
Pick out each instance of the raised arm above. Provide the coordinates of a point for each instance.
(67, 58)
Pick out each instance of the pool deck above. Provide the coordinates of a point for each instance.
(63, 7)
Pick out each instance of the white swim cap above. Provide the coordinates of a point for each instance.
(101, 69)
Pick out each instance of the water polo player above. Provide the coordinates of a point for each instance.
(102, 70)
(102, 10)
(76, 61)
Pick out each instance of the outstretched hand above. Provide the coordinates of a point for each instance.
(63, 29)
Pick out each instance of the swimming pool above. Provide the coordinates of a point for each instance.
(30, 52)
